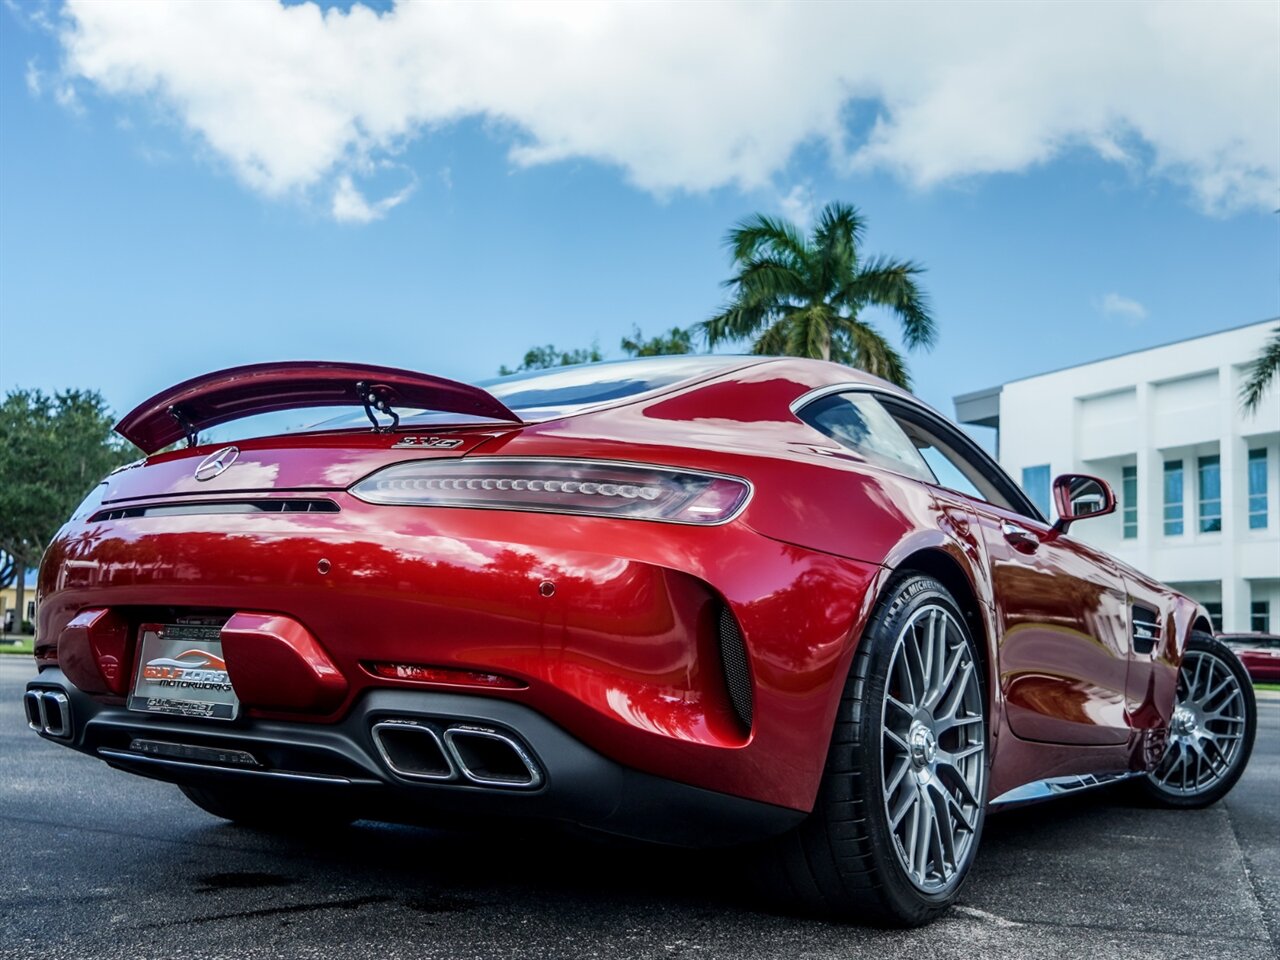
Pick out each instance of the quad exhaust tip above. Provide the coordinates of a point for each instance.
(491, 758)
(412, 750)
(48, 712)
(480, 755)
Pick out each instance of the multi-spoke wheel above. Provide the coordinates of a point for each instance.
(934, 751)
(899, 813)
(1212, 728)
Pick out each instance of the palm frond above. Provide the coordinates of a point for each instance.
(735, 322)
(809, 333)
(773, 341)
(838, 234)
(892, 283)
(762, 232)
(1261, 372)
(874, 354)
(766, 277)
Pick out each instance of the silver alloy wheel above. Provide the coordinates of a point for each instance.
(1206, 729)
(934, 746)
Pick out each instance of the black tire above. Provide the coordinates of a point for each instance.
(266, 809)
(844, 861)
(1221, 760)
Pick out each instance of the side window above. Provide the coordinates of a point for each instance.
(948, 473)
(859, 422)
(956, 461)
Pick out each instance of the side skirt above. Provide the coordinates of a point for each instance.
(1058, 787)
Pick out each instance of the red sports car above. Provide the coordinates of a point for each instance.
(1259, 652)
(697, 600)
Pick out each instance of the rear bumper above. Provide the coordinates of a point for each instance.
(342, 763)
(611, 628)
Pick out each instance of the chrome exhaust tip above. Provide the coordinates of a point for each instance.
(412, 750)
(31, 707)
(48, 712)
(492, 759)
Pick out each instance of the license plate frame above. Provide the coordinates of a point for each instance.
(181, 673)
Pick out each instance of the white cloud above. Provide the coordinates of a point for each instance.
(798, 205)
(698, 96)
(350, 205)
(33, 78)
(1126, 308)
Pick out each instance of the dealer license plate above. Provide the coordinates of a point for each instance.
(181, 672)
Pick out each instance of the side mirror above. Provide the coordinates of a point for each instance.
(1079, 496)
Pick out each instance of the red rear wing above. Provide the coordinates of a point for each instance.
(206, 401)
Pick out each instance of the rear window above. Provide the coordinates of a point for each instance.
(559, 391)
(534, 395)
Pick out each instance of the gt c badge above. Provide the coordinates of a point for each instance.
(216, 463)
(445, 443)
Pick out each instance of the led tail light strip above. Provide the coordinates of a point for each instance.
(588, 488)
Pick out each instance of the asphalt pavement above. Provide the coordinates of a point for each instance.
(97, 863)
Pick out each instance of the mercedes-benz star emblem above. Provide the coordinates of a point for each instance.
(216, 463)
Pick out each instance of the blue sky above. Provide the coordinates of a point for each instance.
(145, 237)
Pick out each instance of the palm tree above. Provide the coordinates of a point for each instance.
(802, 296)
(1261, 372)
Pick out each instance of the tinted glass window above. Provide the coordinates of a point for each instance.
(957, 462)
(559, 390)
(857, 421)
(562, 391)
(1173, 498)
(1258, 489)
(1035, 484)
(948, 473)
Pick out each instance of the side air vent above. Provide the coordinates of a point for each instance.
(191, 507)
(737, 671)
(1146, 629)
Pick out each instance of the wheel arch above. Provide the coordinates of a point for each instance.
(944, 567)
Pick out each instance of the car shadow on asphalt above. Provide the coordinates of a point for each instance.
(449, 870)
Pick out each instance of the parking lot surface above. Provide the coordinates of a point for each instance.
(97, 863)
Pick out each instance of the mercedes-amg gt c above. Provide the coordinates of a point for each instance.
(694, 600)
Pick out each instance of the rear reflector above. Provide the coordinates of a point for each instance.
(583, 487)
(418, 673)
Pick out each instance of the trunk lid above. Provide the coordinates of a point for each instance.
(295, 463)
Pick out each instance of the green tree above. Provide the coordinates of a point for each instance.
(674, 341)
(803, 296)
(1261, 373)
(541, 358)
(53, 450)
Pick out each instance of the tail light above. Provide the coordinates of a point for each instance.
(589, 488)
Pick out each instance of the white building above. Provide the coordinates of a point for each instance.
(1198, 481)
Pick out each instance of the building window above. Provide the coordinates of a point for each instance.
(1214, 608)
(1260, 616)
(1129, 497)
(1257, 489)
(1210, 512)
(1035, 484)
(1173, 498)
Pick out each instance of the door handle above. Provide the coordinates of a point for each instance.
(1021, 538)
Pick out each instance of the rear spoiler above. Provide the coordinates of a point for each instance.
(182, 411)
